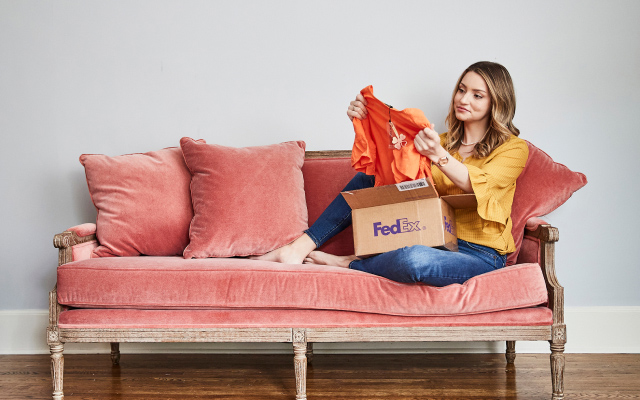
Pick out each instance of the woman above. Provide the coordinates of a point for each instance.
(480, 154)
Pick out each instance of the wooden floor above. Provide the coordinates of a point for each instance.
(375, 376)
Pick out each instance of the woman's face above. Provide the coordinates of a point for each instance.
(472, 102)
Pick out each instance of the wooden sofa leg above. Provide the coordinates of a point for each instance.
(309, 352)
(557, 370)
(511, 351)
(115, 353)
(300, 363)
(57, 369)
(511, 356)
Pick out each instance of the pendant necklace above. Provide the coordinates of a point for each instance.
(468, 144)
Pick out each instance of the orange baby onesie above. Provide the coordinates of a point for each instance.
(376, 152)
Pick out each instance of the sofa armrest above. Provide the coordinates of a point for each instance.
(75, 243)
(547, 235)
(533, 223)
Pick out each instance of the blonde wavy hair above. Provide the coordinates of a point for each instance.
(503, 108)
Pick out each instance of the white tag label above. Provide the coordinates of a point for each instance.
(411, 185)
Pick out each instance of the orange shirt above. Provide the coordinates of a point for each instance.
(375, 152)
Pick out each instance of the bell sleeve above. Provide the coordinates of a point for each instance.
(363, 155)
(494, 183)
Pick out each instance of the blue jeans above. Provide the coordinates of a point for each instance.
(409, 264)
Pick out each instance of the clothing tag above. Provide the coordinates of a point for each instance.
(397, 140)
(410, 185)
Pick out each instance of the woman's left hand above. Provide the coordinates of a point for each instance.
(427, 142)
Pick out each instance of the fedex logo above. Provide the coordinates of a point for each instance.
(402, 225)
(448, 225)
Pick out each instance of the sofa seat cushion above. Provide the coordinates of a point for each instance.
(230, 283)
(193, 319)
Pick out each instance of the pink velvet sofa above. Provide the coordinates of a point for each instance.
(235, 299)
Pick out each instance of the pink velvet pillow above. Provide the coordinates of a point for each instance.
(543, 186)
(246, 201)
(143, 202)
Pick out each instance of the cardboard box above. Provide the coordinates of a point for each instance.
(389, 217)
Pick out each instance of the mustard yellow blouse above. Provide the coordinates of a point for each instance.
(493, 179)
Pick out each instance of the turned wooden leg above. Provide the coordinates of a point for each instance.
(115, 353)
(511, 351)
(57, 369)
(557, 370)
(309, 352)
(511, 356)
(300, 363)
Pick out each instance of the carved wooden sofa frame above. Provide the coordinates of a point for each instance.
(303, 338)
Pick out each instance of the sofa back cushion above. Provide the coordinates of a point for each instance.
(543, 186)
(324, 179)
(143, 202)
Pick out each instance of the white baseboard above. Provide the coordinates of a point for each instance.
(589, 330)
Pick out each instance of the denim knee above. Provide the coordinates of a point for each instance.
(412, 262)
(361, 181)
(431, 266)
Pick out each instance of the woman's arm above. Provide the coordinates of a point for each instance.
(458, 173)
(427, 142)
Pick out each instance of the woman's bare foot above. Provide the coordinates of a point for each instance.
(322, 258)
(292, 253)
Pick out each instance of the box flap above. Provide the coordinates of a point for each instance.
(390, 194)
(467, 200)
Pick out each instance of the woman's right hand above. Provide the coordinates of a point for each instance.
(357, 108)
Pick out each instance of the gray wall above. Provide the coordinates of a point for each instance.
(132, 76)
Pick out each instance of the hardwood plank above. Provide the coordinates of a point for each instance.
(370, 376)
